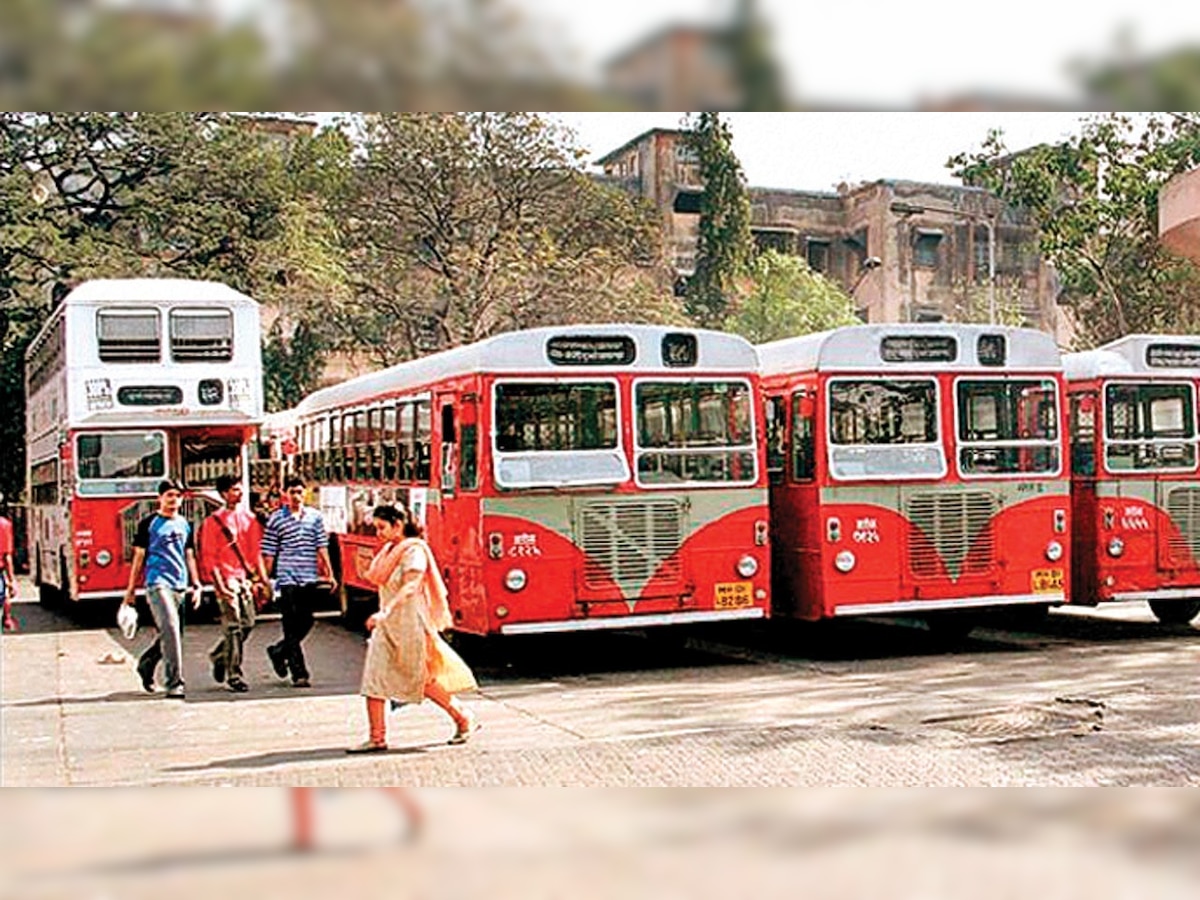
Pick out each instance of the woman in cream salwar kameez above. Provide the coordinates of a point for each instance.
(407, 660)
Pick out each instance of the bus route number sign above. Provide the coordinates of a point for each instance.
(591, 350)
(733, 595)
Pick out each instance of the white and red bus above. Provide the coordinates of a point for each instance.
(131, 381)
(574, 478)
(1135, 473)
(916, 470)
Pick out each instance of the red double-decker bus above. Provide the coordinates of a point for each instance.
(916, 470)
(1135, 473)
(129, 382)
(574, 478)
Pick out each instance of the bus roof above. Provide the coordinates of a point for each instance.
(1165, 355)
(153, 290)
(531, 351)
(916, 347)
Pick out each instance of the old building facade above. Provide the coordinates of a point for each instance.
(905, 251)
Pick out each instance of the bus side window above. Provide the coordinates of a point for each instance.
(1083, 433)
(388, 450)
(423, 441)
(449, 450)
(804, 455)
(406, 438)
(468, 447)
(776, 439)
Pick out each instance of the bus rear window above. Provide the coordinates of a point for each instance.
(533, 417)
(1007, 427)
(125, 463)
(883, 412)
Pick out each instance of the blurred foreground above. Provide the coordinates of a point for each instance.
(530, 54)
(601, 843)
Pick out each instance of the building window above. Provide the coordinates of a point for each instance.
(926, 245)
(688, 202)
(817, 254)
(769, 239)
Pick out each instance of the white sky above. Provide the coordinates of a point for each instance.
(815, 151)
(887, 52)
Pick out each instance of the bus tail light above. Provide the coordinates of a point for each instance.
(833, 529)
(495, 545)
(501, 612)
(1054, 551)
(760, 533)
(84, 559)
(844, 561)
(747, 566)
(515, 580)
(103, 558)
(1060, 521)
(1116, 547)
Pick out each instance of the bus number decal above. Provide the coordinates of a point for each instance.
(524, 545)
(866, 531)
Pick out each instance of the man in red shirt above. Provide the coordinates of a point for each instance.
(8, 575)
(231, 558)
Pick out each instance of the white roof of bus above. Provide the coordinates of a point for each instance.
(857, 348)
(153, 290)
(1128, 355)
(282, 422)
(524, 351)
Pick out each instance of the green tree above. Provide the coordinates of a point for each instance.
(725, 245)
(787, 298)
(1094, 198)
(464, 225)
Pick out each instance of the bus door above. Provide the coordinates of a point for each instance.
(1085, 511)
(457, 479)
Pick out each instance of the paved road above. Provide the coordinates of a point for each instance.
(1095, 698)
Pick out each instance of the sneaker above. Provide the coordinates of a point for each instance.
(301, 682)
(146, 673)
(238, 686)
(278, 663)
(175, 693)
(218, 671)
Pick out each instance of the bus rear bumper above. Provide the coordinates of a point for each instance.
(949, 603)
(646, 621)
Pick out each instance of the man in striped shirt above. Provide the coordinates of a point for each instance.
(296, 543)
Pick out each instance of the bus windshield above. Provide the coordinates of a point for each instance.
(884, 428)
(120, 463)
(1149, 426)
(694, 431)
(1007, 426)
(557, 433)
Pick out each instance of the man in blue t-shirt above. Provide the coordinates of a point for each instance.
(164, 551)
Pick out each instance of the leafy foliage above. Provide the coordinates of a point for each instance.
(1095, 200)
(787, 298)
(468, 224)
(724, 247)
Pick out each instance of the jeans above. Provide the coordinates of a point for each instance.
(296, 602)
(237, 619)
(166, 605)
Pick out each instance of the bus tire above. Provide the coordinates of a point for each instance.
(1175, 612)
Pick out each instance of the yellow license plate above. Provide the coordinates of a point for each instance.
(1046, 581)
(734, 595)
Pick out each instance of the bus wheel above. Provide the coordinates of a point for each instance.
(1175, 612)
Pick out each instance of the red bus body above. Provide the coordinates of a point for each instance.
(1135, 475)
(915, 470)
(129, 382)
(575, 478)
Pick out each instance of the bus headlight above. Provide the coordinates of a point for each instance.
(103, 558)
(1116, 547)
(747, 566)
(1054, 551)
(515, 580)
(844, 561)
